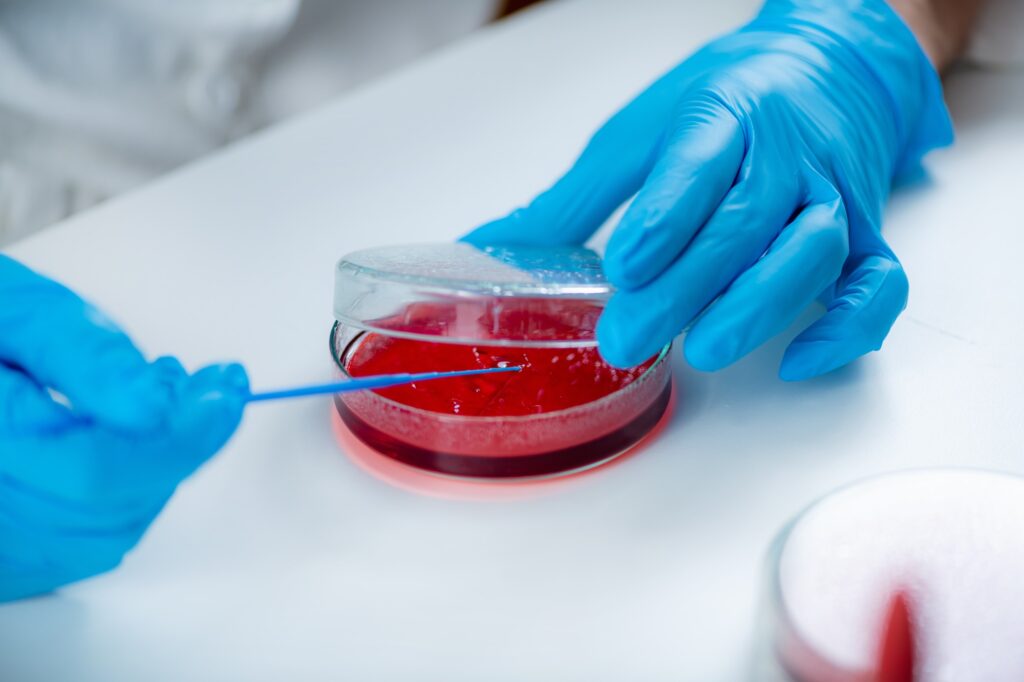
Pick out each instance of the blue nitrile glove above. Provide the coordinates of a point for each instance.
(83, 473)
(761, 165)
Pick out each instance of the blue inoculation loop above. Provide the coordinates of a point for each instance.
(366, 383)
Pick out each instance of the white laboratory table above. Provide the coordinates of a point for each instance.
(283, 559)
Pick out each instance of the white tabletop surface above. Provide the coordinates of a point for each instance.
(283, 559)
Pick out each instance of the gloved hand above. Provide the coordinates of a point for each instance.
(761, 165)
(83, 473)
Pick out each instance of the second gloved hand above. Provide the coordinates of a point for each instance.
(760, 165)
(84, 471)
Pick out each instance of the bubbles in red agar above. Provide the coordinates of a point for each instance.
(551, 378)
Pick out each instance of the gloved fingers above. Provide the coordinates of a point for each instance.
(869, 300)
(41, 514)
(169, 368)
(72, 503)
(637, 323)
(700, 162)
(89, 462)
(66, 344)
(764, 300)
(26, 408)
(611, 168)
(206, 414)
(213, 402)
(171, 373)
(47, 545)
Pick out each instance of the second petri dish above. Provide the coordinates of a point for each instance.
(905, 576)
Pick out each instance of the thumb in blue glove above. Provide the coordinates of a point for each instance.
(93, 439)
(760, 166)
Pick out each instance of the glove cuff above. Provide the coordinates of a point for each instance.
(892, 54)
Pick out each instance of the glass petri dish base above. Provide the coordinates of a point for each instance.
(505, 447)
(436, 307)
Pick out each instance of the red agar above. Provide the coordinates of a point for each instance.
(551, 378)
(552, 381)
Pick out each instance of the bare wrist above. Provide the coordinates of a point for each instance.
(942, 27)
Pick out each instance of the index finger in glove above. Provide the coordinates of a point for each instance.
(89, 462)
(64, 343)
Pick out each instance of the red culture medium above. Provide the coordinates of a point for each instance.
(551, 378)
(469, 436)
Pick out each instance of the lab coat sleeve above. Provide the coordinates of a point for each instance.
(98, 96)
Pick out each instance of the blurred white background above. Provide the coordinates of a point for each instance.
(98, 96)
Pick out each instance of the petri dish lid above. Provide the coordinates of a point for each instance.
(459, 293)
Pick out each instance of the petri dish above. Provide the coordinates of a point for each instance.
(454, 306)
(938, 549)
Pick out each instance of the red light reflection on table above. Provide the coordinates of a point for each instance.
(429, 484)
